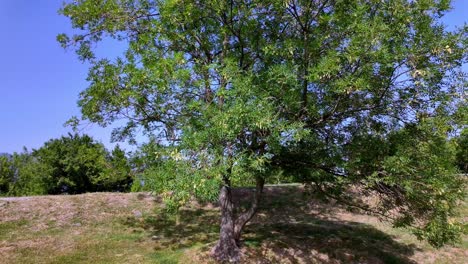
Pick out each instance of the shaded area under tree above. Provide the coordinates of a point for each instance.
(306, 232)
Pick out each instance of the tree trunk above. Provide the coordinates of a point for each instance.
(227, 248)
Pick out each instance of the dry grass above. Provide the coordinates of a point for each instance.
(132, 228)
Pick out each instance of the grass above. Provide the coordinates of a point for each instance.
(133, 228)
(9, 229)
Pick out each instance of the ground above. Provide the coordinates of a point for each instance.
(133, 228)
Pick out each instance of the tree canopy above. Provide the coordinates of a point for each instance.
(334, 93)
(71, 164)
(22, 174)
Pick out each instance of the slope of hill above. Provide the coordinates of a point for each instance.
(132, 228)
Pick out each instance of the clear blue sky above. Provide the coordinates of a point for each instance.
(40, 82)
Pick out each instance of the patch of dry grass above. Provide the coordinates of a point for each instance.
(132, 228)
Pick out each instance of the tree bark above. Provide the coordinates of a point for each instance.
(227, 247)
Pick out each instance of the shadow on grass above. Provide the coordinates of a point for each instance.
(324, 241)
(185, 230)
(282, 233)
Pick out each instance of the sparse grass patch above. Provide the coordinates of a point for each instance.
(167, 256)
(9, 229)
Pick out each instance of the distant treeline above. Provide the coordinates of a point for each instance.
(71, 164)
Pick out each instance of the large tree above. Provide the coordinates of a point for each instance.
(333, 92)
(69, 164)
(78, 164)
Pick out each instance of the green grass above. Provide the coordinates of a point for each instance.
(9, 230)
(167, 256)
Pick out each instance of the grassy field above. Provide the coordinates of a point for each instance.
(132, 228)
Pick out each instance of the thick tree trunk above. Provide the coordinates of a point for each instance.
(227, 248)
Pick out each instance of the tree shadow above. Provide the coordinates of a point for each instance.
(288, 229)
(293, 227)
(188, 228)
(324, 241)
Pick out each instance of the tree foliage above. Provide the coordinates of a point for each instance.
(76, 162)
(462, 151)
(332, 92)
(70, 164)
(6, 175)
(22, 174)
(79, 164)
(117, 175)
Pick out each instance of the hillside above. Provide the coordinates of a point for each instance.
(132, 228)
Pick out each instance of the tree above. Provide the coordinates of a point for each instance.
(332, 92)
(144, 161)
(70, 164)
(117, 175)
(27, 176)
(76, 163)
(6, 174)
